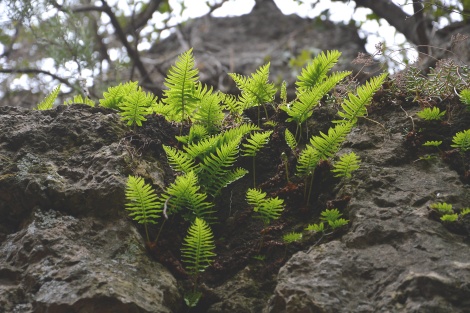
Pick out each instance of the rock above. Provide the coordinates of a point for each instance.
(65, 243)
(393, 258)
(59, 263)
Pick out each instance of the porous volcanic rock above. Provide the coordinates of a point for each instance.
(394, 258)
(66, 244)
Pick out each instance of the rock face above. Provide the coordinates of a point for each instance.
(65, 244)
(393, 258)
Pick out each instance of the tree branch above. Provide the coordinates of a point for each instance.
(408, 25)
(36, 71)
(142, 17)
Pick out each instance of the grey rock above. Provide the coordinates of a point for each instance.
(394, 258)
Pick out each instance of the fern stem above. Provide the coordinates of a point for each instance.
(159, 232)
(254, 173)
(310, 190)
(146, 232)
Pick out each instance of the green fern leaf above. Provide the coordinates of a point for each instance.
(142, 202)
(315, 72)
(300, 110)
(208, 111)
(255, 143)
(231, 104)
(356, 106)
(178, 160)
(78, 99)
(181, 82)
(291, 237)
(431, 114)
(290, 139)
(338, 223)
(318, 228)
(328, 144)
(48, 101)
(255, 90)
(215, 166)
(196, 132)
(465, 97)
(308, 161)
(461, 140)
(284, 92)
(330, 215)
(115, 95)
(135, 106)
(266, 208)
(442, 207)
(434, 143)
(197, 251)
(346, 165)
(184, 193)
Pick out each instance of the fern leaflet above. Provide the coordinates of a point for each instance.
(328, 144)
(315, 72)
(135, 106)
(115, 95)
(178, 160)
(346, 165)
(48, 101)
(356, 106)
(290, 139)
(197, 251)
(255, 143)
(461, 140)
(78, 99)
(266, 208)
(142, 202)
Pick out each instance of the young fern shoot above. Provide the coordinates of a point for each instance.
(346, 165)
(142, 203)
(266, 208)
(48, 101)
(255, 143)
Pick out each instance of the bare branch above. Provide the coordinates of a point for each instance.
(36, 71)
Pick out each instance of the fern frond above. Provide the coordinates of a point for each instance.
(115, 95)
(465, 97)
(255, 90)
(181, 82)
(215, 166)
(184, 193)
(290, 139)
(308, 161)
(255, 143)
(284, 93)
(318, 228)
(442, 207)
(461, 140)
(356, 106)
(330, 215)
(300, 110)
(135, 106)
(431, 114)
(338, 223)
(142, 202)
(48, 101)
(315, 72)
(328, 144)
(208, 111)
(231, 104)
(197, 251)
(433, 143)
(203, 147)
(291, 237)
(346, 165)
(238, 131)
(78, 99)
(196, 133)
(178, 160)
(266, 208)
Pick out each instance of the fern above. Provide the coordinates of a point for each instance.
(231, 104)
(431, 114)
(461, 140)
(356, 106)
(308, 161)
(291, 237)
(465, 97)
(142, 202)
(208, 111)
(114, 97)
(196, 133)
(300, 110)
(317, 228)
(442, 207)
(328, 144)
(215, 167)
(449, 217)
(181, 82)
(290, 140)
(135, 106)
(184, 194)
(255, 90)
(255, 143)
(197, 251)
(435, 143)
(48, 101)
(346, 165)
(284, 93)
(332, 217)
(78, 99)
(266, 208)
(315, 72)
(178, 160)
